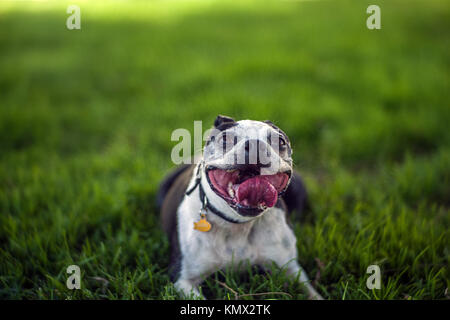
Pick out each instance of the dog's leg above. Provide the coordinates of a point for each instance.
(191, 276)
(293, 269)
(281, 248)
(189, 287)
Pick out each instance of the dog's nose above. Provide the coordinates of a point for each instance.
(253, 149)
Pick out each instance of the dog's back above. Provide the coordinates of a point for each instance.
(170, 194)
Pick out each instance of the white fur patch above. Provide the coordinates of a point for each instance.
(259, 240)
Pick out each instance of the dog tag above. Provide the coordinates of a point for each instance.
(202, 225)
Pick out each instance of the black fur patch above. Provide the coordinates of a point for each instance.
(296, 198)
(223, 123)
(170, 195)
(270, 123)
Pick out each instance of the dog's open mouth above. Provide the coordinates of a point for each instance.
(246, 188)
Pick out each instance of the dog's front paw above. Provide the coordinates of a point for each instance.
(312, 293)
(188, 290)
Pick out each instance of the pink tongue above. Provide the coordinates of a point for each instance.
(256, 191)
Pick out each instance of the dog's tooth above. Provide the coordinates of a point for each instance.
(230, 189)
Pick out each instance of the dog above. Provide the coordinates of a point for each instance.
(232, 205)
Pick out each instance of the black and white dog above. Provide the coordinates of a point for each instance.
(228, 207)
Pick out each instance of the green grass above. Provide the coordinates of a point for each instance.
(86, 118)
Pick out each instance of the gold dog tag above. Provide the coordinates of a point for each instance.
(202, 225)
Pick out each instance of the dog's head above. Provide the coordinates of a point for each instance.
(247, 164)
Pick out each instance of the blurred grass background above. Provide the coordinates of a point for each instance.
(86, 118)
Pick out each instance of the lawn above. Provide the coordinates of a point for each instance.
(86, 118)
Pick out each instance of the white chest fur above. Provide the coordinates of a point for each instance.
(267, 238)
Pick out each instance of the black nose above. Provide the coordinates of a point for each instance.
(253, 149)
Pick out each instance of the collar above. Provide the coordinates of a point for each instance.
(204, 199)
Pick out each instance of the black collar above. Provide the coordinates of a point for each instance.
(204, 199)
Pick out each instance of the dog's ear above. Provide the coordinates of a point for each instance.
(270, 123)
(222, 120)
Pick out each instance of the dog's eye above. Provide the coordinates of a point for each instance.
(282, 142)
